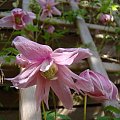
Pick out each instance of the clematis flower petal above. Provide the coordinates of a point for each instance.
(29, 17)
(39, 94)
(84, 84)
(103, 88)
(65, 78)
(24, 79)
(42, 2)
(55, 11)
(22, 61)
(6, 21)
(46, 94)
(63, 93)
(68, 56)
(31, 50)
(43, 15)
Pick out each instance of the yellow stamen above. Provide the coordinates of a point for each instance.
(50, 74)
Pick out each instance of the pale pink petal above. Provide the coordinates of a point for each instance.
(46, 95)
(46, 64)
(42, 2)
(51, 29)
(55, 11)
(31, 15)
(31, 50)
(69, 55)
(28, 17)
(63, 93)
(6, 21)
(65, 78)
(43, 16)
(39, 94)
(115, 93)
(22, 61)
(26, 78)
(24, 73)
(42, 91)
(102, 83)
(103, 87)
(81, 82)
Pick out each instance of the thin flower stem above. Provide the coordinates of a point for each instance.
(38, 17)
(44, 112)
(85, 107)
(54, 102)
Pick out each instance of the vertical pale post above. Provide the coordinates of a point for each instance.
(95, 60)
(27, 104)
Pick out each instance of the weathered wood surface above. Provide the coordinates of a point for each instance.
(94, 61)
(28, 105)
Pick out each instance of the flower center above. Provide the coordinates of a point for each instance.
(48, 6)
(50, 74)
(18, 19)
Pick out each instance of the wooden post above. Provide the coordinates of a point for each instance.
(27, 104)
(95, 60)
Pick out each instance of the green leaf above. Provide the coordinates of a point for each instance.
(115, 7)
(64, 117)
(117, 30)
(112, 109)
(17, 32)
(104, 118)
(116, 119)
(105, 5)
(9, 59)
(10, 50)
(32, 28)
(51, 116)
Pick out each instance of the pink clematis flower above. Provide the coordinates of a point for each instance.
(47, 69)
(103, 88)
(18, 19)
(105, 18)
(48, 8)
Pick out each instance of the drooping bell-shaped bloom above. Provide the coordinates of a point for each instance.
(105, 18)
(102, 88)
(48, 8)
(18, 19)
(47, 69)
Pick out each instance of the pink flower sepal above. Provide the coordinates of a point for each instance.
(103, 88)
